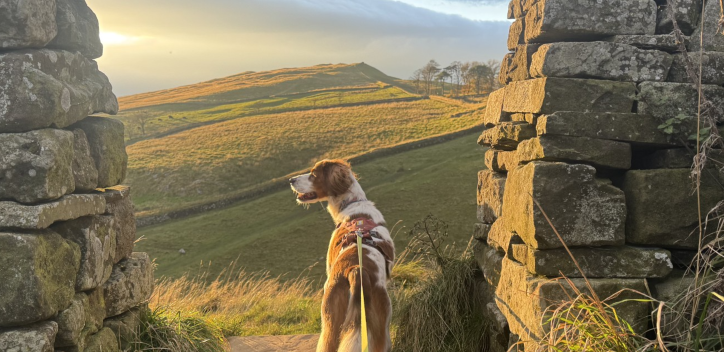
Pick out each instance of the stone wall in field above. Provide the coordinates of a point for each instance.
(69, 280)
(593, 130)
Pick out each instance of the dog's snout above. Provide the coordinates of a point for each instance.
(292, 180)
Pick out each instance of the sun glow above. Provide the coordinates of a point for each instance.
(113, 38)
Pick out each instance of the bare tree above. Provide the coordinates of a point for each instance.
(481, 76)
(455, 73)
(416, 78)
(428, 74)
(441, 77)
(139, 120)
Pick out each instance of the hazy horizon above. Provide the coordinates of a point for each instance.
(175, 43)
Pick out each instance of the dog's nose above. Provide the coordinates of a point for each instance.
(292, 180)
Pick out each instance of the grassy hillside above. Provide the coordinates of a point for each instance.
(165, 120)
(208, 162)
(274, 234)
(256, 85)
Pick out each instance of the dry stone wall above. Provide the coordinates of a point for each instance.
(69, 280)
(577, 129)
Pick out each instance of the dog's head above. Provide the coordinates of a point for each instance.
(328, 178)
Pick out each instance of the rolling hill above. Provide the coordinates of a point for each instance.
(206, 142)
(273, 234)
(255, 85)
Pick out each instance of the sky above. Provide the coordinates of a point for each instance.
(152, 45)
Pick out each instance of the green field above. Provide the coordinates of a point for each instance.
(273, 234)
(167, 119)
(207, 163)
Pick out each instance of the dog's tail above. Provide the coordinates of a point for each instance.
(351, 336)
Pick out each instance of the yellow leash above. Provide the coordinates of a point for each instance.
(365, 343)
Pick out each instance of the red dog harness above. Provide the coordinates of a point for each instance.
(361, 227)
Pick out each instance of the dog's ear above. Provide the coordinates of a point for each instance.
(337, 177)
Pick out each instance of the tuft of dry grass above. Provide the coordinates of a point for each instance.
(441, 310)
(242, 304)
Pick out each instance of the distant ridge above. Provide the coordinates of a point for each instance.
(254, 85)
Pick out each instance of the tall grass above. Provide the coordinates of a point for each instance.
(442, 311)
(243, 304)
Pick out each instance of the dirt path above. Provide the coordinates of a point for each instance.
(288, 343)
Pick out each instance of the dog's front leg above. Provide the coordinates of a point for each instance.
(334, 309)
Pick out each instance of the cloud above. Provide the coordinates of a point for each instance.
(186, 41)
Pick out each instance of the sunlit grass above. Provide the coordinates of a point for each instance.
(210, 161)
(166, 119)
(256, 85)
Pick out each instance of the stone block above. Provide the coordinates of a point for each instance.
(494, 110)
(119, 205)
(36, 217)
(517, 8)
(32, 338)
(600, 60)
(586, 211)
(506, 136)
(95, 311)
(500, 160)
(564, 20)
(36, 166)
(548, 95)
(77, 29)
(103, 341)
(499, 237)
(489, 261)
(625, 127)
(96, 239)
(44, 88)
(712, 68)
(38, 276)
(516, 34)
(597, 152)
(491, 186)
(130, 285)
(27, 24)
(524, 300)
(621, 262)
(662, 207)
(85, 173)
(126, 327)
(505, 64)
(107, 147)
(71, 322)
(665, 100)
(666, 42)
(686, 13)
(713, 39)
(519, 68)
(481, 231)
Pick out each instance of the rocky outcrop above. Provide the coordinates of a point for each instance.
(69, 280)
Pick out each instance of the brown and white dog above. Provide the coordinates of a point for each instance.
(334, 182)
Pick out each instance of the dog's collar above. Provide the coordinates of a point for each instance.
(348, 202)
